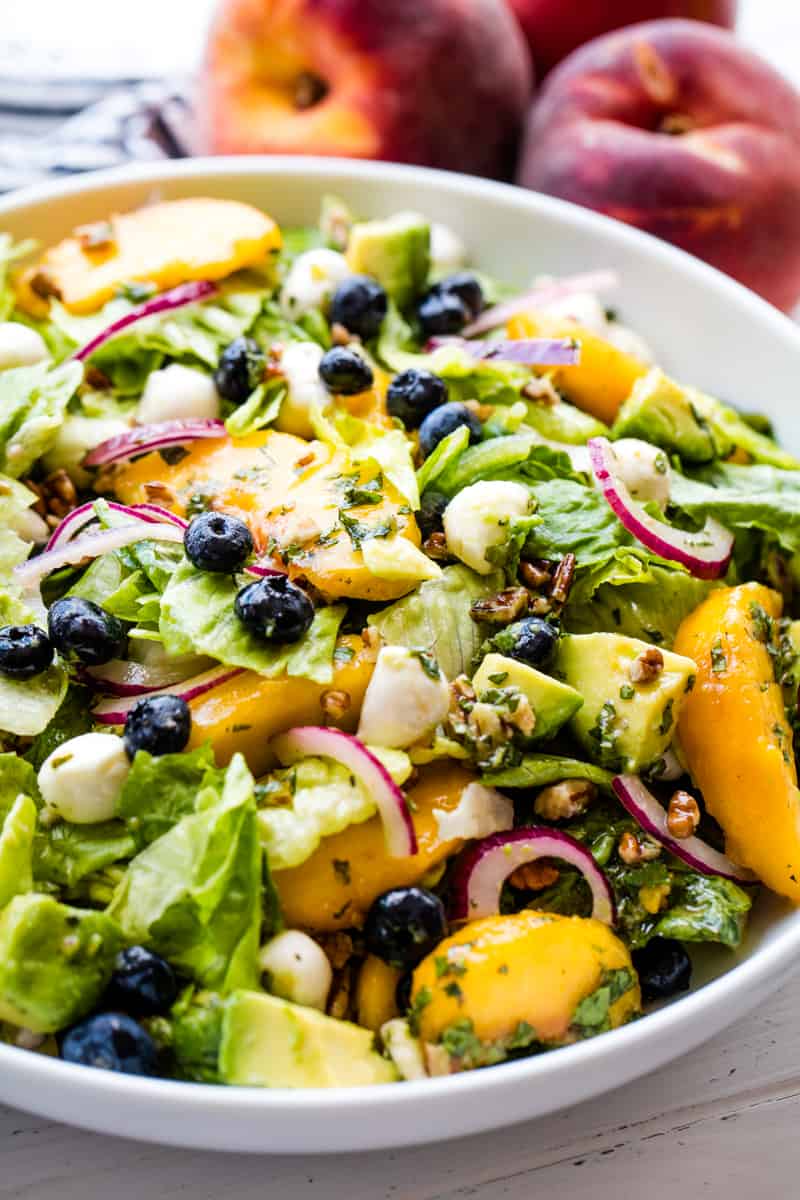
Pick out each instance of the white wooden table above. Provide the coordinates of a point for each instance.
(721, 1122)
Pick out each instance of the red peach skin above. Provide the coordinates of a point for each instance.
(442, 83)
(554, 28)
(675, 127)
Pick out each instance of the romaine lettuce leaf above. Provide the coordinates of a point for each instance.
(259, 410)
(10, 252)
(319, 798)
(27, 706)
(197, 615)
(159, 791)
(64, 854)
(16, 849)
(539, 770)
(194, 894)
(16, 776)
(574, 519)
(72, 719)
(435, 617)
(650, 607)
(389, 448)
(33, 401)
(520, 457)
(743, 498)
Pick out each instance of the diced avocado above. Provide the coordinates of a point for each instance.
(395, 251)
(55, 961)
(268, 1042)
(660, 411)
(552, 701)
(16, 849)
(623, 725)
(692, 424)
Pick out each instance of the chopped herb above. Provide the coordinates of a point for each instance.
(343, 653)
(690, 682)
(136, 293)
(428, 663)
(419, 1002)
(461, 1041)
(626, 692)
(341, 869)
(360, 533)
(448, 966)
(453, 989)
(239, 728)
(762, 623)
(666, 718)
(500, 678)
(719, 661)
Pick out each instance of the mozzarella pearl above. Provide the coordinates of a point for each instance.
(305, 390)
(81, 780)
(298, 969)
(175, 393)
(448, 252)
(402, 703)
(312, 280)
(477, 519)
(404, 1049)
(644, 469)
(20, 346)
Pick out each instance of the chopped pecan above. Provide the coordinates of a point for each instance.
(502, 608)
(562, 580)
(540, 606)
(371, 638)
(629, 849)
(44, 286)
(160, 493)
(566, 799)
(540, 389)
(335, 703)
(338, 947)
(56, 496)
(683, 815)
(648, 666)
(536, 574)
(96, 379)
(436, 548)
(534, 876)
(340, 334)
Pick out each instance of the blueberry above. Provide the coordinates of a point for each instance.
(112, 1042)
(403, 925)
(344, 371)
(442, 314)
(143, 984)
(276, 609)
(444, 420)
(359, 303)
(430, 513)
(25, 651)
(413, 394)
(158, 724)
(240, 370)
(664, 968)
(217, 542)
(466, 287)
(402, 993)
(532, 640)
(82, 631)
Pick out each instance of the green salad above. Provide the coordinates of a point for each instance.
(398, 671)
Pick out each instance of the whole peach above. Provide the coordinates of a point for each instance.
(673, 126)
(443, 83)
(555, 28)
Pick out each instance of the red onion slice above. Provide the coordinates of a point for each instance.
(529, 352)
(644, 808)
(144, 439)
(482, 871)
(75, 521)
(305, 740)
(177, 297)
(157, 513)
(123, 677)
(115, 710)
(705, 554)
(546, 293)
(93, 545)
(262, 571)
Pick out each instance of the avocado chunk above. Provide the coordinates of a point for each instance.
(268, 1042)
(55, 961)
(690, 423)
(552, 701)
(624, 725)
(395, 251)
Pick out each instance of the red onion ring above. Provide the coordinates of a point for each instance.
(529, 352)
(491, 318)
(705, 554)
(93, 545)
(177, 297)
(479, 877)
(114, 711)
(144, 439)
(644, 808)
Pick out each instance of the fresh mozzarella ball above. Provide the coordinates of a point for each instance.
(477, 518)
(306, 391)
(644, 469)
(175, 393)
(78, 435)
(81, 780)
(403, 702)
(404, 1049)
(583, 307)
(448, 252)
(312, 280)
(298, 969)
(480, 812)
(20, 346)
(628, 342)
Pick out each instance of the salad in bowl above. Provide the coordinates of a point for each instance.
(398, 672)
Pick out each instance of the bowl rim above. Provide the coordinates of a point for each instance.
(766, 967)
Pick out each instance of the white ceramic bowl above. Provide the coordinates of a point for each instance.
(706, 330)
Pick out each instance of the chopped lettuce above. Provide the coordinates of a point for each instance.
(520, 457)
(436, 617)
(16, 776)
(650, 607)
(33, 401)
(539, 770)
(197, 615)
(64, 854)
(365, 442)
(447, 453)
(159, 791)
(259, 410)
(574, 519)
(319, 798)
(27, 706)
(194, 1031)
(194, 894)
(10, 252)
(704, 908)
(16, 849)
(72, 718)
(743, 498)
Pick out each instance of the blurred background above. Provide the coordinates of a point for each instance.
(87, 85)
